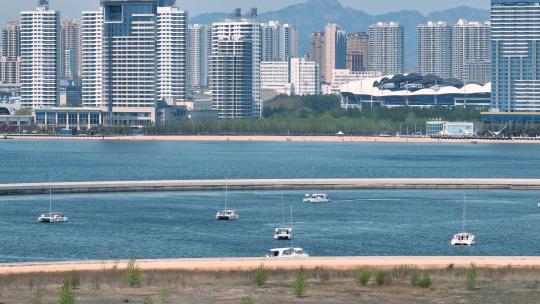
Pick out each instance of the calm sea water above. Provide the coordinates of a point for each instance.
(34, 161)
(169, 225)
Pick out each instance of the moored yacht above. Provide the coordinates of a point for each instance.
(226, 214)
(52, 217)
(289, 252)
(316, 198)
(283, 232)
(463, 238)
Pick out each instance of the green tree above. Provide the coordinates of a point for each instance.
(133, 275)
(163, 295)
(363, 276)
(67, 295)
(471, 277)
(382, 278)
(23, 112)
(260, 276)
(248, 300)
(299, 284)
(148, 300)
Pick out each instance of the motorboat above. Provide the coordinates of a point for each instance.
(463, 239)
(289, 252)
(227, 215)
(316, 198)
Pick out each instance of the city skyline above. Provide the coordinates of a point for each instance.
(70, 9)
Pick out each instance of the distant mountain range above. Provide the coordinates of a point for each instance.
(312, 15)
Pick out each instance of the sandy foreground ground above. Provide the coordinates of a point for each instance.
(268, 138)
(246, 264)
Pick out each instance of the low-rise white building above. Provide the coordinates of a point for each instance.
(275, 76)
(341, 77)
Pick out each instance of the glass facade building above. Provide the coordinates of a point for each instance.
(515, 44)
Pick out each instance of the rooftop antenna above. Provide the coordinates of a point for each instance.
(252, 13)
(237, 13)
(43, 3)
(168, 3)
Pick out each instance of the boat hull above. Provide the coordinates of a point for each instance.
(226, 218)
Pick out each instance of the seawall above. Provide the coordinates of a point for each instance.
(271, 184)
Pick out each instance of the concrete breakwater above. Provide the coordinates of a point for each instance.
(271, 184)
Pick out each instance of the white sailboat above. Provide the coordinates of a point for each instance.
(463, 238)
(287, 252)
(283, 232)
(226, 214)
(315, 197)
(52, 217)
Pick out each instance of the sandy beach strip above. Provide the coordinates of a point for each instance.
(247, 264)
(270, 138)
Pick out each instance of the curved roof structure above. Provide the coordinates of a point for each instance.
(365, 87)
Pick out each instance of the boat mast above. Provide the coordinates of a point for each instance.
(50, 197)
(292, 239)
(282, 209)
(313, 178)
(463, 215)
(226, 194)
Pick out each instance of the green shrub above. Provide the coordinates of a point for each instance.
(299, 284)
(75, 280)
(422, 280)
(148, 300)
(248, 300)
(133, 274)
(163, 295)
(362, 277)
(382, 278)
(67, 295)
(471, 277)
(260, 276)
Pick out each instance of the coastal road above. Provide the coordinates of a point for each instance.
(271, 184)
(247, 264)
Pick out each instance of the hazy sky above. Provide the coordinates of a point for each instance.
(71, 8)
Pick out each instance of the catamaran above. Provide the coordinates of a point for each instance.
(463, 238)
(52, 217)
(283, 232)
(315, 197)
(287, 252)
(226, 214)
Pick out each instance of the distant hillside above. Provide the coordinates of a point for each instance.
(312, 15)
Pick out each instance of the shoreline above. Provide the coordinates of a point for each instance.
(249, 264)
(279, 138)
